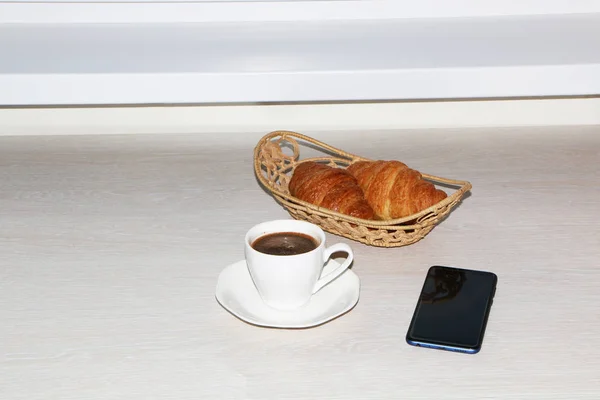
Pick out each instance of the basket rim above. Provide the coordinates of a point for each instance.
(464, 186)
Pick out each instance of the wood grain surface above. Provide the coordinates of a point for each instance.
(110, 248)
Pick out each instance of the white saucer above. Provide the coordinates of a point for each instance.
(238, 295)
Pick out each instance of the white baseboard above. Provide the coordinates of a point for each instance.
(303, 118)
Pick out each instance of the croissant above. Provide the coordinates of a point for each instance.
(393, 189)
(331, 188)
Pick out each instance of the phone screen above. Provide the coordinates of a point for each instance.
(452, 310)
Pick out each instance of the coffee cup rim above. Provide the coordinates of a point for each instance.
(251, 236)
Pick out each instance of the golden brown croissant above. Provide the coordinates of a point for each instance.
(394, 190)
(331, 188)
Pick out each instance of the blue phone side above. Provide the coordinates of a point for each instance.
(443, 347)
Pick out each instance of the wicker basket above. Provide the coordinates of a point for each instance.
(274, 168)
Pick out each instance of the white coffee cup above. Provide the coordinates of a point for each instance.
(286, 282)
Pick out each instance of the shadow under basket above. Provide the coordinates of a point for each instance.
(274, 169)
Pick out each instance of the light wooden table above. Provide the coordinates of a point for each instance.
(111, 246)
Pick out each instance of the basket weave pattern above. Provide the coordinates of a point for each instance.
(274, 168)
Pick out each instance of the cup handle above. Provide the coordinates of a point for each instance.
(323, 281)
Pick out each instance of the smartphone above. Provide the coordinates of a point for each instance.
(453, 309)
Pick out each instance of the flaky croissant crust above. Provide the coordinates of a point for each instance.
(329, 187)
(393, 189)
(380, 189)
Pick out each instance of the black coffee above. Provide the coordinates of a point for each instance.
(285, 243)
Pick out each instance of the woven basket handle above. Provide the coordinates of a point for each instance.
(273, 141)
(289, 136)
(270, 160)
